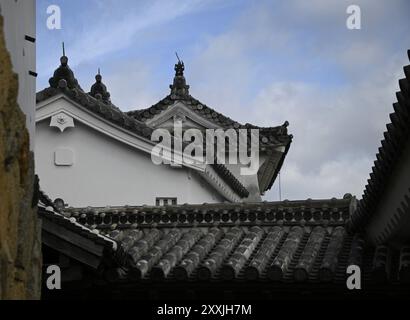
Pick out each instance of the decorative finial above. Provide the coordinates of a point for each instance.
(179, 67)
(99, 90)
(63, 76)
(98, 76)
(179, 89)
(63, 59)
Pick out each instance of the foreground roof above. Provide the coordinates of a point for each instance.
(277, 247)
(74, 239)
(288, 241)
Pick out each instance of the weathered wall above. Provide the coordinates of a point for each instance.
(20, 21)
(20, 249)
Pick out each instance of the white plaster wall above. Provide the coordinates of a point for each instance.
(19, 21)
(108, 172)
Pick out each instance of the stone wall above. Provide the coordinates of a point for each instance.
(20, 243)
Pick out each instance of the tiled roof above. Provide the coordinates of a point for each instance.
(269, 137)
(103, 109)
(48, 211)
(180, 92)
(281, 241)
(279, 253)
(270, 247)
(305, 212)
(229, 178)
(392, 147)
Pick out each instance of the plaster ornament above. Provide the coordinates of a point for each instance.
(62, 121)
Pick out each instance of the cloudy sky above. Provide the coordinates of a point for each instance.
(261, 62)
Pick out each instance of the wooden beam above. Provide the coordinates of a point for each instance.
(71, 250)
(72, 237)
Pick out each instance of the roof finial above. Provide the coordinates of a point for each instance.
(98, 76)
(63, 76)
(179, 88)
(99, 90)
(179, 67)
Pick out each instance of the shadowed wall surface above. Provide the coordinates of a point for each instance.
(20, 249)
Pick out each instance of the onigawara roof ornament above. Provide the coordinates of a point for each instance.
(99, 90)
(179, 89)
(63, 76)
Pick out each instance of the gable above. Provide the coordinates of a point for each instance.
(179, 111)
(60, 106)
(274, 142)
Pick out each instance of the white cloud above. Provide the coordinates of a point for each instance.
(332, 179)
(337, 128)
(131, 85)
(120, 32)
(336, 132)
(113, 27)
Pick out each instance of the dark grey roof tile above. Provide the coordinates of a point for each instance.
(330, 259)
(197, 254)
(310, 252)
(242, 253)
(264, 254)
(217, 256)
(390, 152)
(281, 263)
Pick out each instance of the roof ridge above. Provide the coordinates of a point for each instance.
(221, 205)
(329, 213)
(390, 151)
(106, 110)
